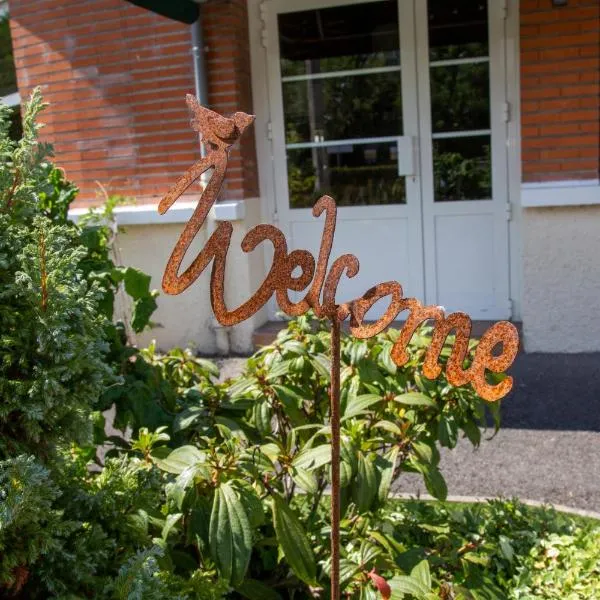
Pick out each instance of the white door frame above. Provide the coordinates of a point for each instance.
(498, 206)
(261, 45)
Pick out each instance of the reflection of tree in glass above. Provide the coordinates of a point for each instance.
(459, 177)
(8, 76)
(460, 98)
(349, 180)
(336, 108)
(339, 63)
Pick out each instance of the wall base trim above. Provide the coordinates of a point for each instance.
(560, 193)
(180, 212)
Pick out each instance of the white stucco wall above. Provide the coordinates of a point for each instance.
(186, 320)
(561, 279)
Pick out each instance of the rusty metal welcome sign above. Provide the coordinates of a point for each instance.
(219, 134)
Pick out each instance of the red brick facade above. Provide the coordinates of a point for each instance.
(560, 90)
(115, 77)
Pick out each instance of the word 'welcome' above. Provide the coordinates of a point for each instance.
(219, 134)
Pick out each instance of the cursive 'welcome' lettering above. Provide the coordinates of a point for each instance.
(219, 134)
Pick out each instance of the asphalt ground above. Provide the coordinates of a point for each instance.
(548, 448)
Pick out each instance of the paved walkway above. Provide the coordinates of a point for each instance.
(549, 446)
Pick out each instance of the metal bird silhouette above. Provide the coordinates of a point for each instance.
(214, 128)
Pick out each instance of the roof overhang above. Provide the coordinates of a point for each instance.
(185, 11)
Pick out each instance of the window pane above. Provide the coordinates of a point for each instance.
(353, 174)
(457, 29)
(339, 38)
(462, 168)
(460, 97)
(343, 107)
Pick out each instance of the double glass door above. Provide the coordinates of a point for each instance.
(393, 107)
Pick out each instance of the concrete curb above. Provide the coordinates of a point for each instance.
(473, 499)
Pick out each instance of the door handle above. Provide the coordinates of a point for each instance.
(405, 148)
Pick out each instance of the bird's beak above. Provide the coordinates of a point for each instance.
(242, 120)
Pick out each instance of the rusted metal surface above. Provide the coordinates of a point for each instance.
(334, 418)
(219, 134)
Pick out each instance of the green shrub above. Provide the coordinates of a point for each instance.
(59, 353)
(222, 489)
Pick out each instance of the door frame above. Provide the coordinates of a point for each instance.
(259, 44)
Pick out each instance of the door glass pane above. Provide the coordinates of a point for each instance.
(460, 99)
(462, 168)
(353, 174)
(341, 82)
(339, 108)
(339, 38)
(458, 29)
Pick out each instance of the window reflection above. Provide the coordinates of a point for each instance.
(339, 38)
(343, 107)
(460, 97)
(462, 168)
(354, 174)
(457, 29)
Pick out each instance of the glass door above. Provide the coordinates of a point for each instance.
(342, 85)
(461, 65)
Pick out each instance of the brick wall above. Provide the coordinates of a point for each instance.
(560, 90)
(229, 84)
(116, 76)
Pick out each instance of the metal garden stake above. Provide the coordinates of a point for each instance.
(219, 134)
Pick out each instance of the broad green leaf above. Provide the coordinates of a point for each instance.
(418, 583)
(349, 452)
(294, 346)
(386, 358)
(189, 474)
(179, 459)
(232, 426)
(242, 387)
(271, 450)
(137, 283)
(448, 431)
(423, 451)
(359, 404)
(421, 574)
(347, 570)
(313, 458)
(280, 369)
(208, 365)
(142, 311)
(506, 548)
(472, 432)
(292, 539)
(366, 592)
(345, 473)
(251, 503)
(322, 365)
(416, 399)
(292, 401)
(170, 522)
(388, 426)
(388, 542)
(385, 466)
(256, 590)
(230, 536)
(358, 350)
(261, 413)
(364, 489)
(306, 480)
(188, 417)
(435, 483)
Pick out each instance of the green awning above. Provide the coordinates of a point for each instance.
(185, 11)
